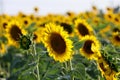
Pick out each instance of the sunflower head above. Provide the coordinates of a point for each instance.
(105, 69)
(116, 38)
(36, 9)
(14, 31)
(90, 48)
(37, 36)
(82, 28)
(57, 43)
(116, 30)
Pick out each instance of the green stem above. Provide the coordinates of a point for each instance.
(37, 67)
(71, 68)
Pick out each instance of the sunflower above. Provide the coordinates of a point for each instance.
(67, 27)
(94, 10)
(57, 42)
(116, 29)
(14, 31)
(109, 9)
(4, 23)
(105, 70)
(37, 36)
(117, 20)
(36, 9)
(82, 28)
(26, 21)
(109, 16)
(91, 47)
(116, 38)
(103, 67)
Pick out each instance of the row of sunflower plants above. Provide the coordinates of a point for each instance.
(70, 46)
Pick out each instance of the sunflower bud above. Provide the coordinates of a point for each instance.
(25, 42)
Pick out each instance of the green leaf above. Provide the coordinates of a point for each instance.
(78, 45)
(28, 76)
(79, 71)
(31, 28)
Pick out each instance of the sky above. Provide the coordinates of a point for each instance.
(53, 6)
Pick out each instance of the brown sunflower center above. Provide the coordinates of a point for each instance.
(15, 32)
(57, 43)
(4, 25)
(67, 27)
(116, 30)
(102, 67)
(82, 29)
(117, 37)
(87, 47)
(35, 37)
(109, 16)
(116, 19)
(25, 22)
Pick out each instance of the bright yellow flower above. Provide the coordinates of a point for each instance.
(82, 28)
(57, 43)
(91, 47)
(13, 32)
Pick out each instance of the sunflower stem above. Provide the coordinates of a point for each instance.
(37, 67)
(71, 68)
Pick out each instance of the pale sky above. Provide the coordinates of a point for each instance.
(53, 6)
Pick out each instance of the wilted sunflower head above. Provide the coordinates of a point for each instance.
(82, 28)
(14, 31)
(57, 43)
(90, 47)
(104, 67)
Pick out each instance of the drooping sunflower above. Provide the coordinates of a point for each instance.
(105, 70)
(57, 43)
(91, 47)
(116, 38)
(14, 31)
(82, 28)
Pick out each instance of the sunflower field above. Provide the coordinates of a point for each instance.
(70, 46)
